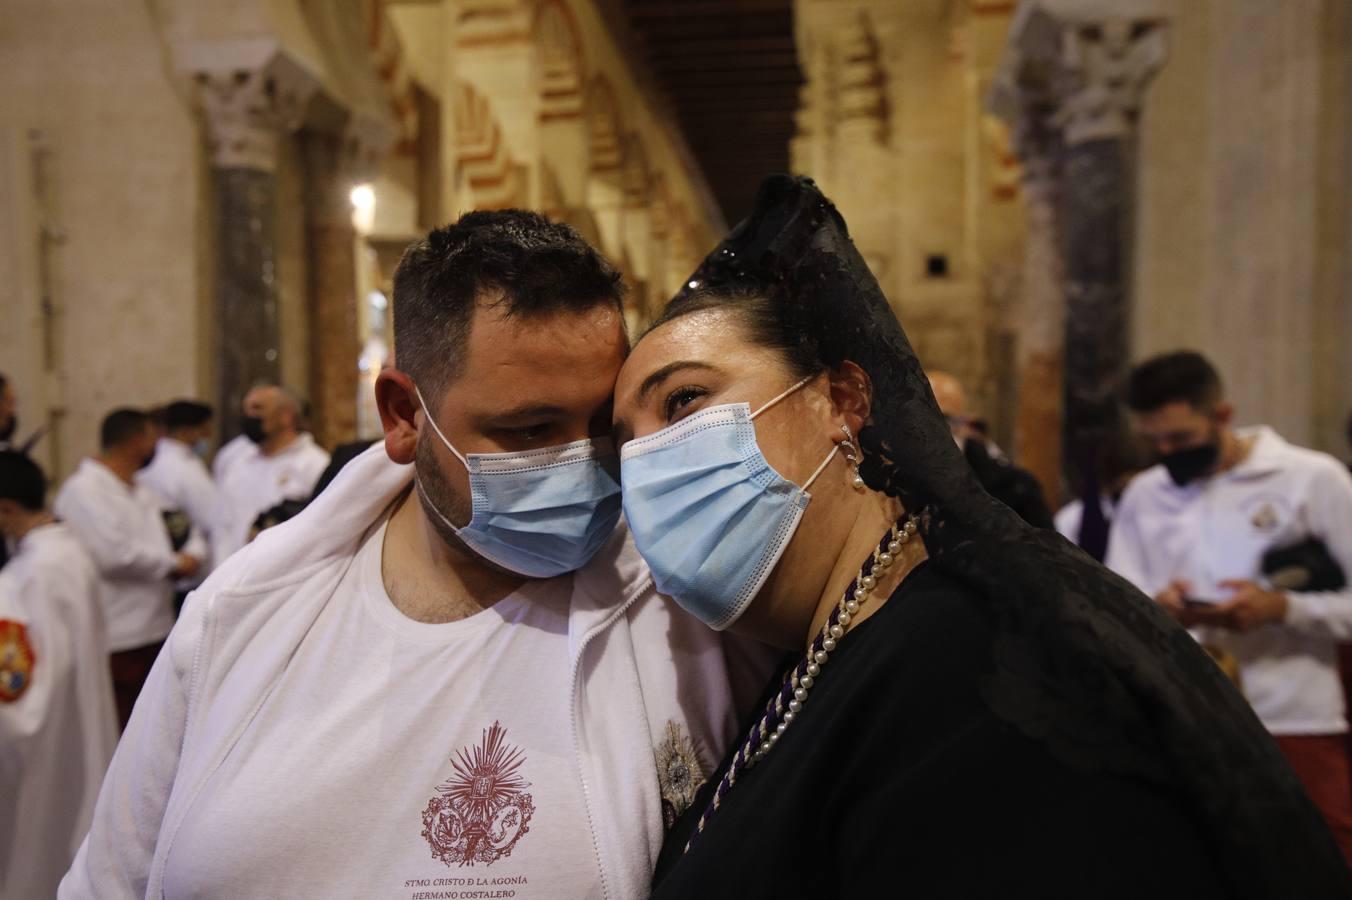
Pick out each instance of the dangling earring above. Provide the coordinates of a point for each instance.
(852, 457)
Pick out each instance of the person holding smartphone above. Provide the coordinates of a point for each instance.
(1193, 532)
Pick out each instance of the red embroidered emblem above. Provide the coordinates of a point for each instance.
(16, 660)
(483, 810)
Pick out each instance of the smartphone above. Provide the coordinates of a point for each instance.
(1199, 603)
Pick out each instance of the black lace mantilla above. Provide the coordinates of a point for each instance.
(1084, 661)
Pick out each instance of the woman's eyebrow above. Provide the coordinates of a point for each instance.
(663, 373)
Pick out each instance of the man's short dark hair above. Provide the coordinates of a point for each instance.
(540, 267)
(186, 414)
(121, 425)
(22, 481)
(1173, 377)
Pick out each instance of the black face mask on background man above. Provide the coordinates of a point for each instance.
(7, 430)
(252, 426)
(1193, 462)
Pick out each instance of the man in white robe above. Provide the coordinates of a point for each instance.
(57, 722)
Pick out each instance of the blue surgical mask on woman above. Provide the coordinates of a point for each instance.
(708, 513)
(538, 513)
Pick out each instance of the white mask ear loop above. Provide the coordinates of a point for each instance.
(822, 468)
(834, 449)
(428, 504)
(775, 400)
(427, 414)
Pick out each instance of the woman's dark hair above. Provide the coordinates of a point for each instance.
(767, 321)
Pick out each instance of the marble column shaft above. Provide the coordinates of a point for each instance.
(1037, 426)
(1095, 217)
(247, 329)
(335, 341)
(1087, 79)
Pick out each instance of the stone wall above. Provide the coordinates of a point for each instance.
(122, 181)
(1217, 131)
(892, 126)
(197, 158)
(550, 114)
(1242, 233)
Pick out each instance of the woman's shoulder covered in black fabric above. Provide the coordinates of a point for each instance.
(1085, 664)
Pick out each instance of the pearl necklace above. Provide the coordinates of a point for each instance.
(784, 707)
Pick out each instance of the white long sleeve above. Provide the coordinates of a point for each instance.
(1329, 511)
(116, 857)
(1127, 551)
(122, 528)
(120, 545)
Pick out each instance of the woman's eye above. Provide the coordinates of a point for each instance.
(679, 399)
(530, 432)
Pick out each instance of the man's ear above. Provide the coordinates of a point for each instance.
(1225, 414)
(399, 408)
(851, 396)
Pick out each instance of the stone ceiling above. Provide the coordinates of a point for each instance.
(730, 71)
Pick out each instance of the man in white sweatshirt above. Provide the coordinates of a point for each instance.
(450, 675)
(283, 464)
(121, 524)
(1193, 531)
(189, 498)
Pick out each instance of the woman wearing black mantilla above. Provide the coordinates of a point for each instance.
(973, 708)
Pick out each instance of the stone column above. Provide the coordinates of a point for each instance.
(1106, 66)
(334, 163)
(1042, 316)
(1025, 94)
(1071, 89)
(244, 111)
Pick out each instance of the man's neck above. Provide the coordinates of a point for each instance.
(124, 468)
(27, 522)
(431, 582)
(1235, 448)
(279, 442)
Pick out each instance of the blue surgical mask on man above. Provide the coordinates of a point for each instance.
(538, 513)
(708, 513)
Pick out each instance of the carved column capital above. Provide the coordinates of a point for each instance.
(337, 160)
(1108, 65)
(1064, 81)
(241, 119)
(365, 141)
(246, 108)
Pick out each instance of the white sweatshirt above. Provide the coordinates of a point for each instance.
(122, 528)
(181, 480)
(252, 687)
(228, 454)
(57, 737)
(1218, 529)
(252, 483)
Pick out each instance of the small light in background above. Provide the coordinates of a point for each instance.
(363, 199)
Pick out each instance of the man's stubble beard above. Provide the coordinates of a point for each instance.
(437, 494)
